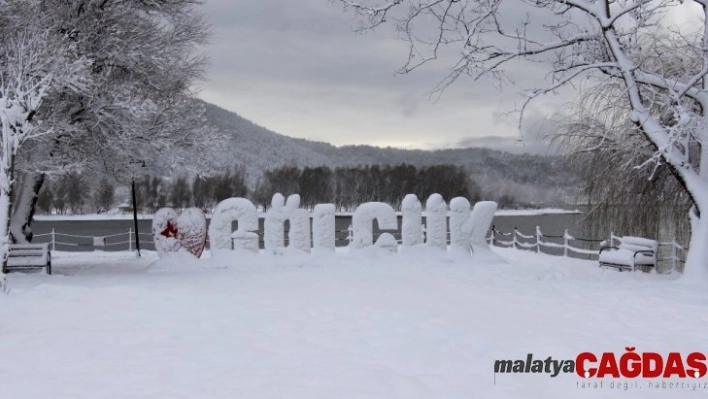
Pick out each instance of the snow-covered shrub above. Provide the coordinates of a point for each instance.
(412, 224)
(363, 220)
(227, 211)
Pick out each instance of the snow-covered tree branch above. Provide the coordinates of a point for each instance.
(602, 41)
(122, 90)
(23, 85)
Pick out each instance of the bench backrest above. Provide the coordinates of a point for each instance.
(638, 244)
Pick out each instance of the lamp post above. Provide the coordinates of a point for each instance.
(135, 205)
(135, 216)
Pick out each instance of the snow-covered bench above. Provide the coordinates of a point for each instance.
(29, 257)
(632, 252)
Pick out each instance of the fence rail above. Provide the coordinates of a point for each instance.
(535, 242)
(565, 245)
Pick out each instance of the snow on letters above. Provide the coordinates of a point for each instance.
(323, 228)
(240, 210)
(436, 222)
(274, 223)
(459, 214)
(412, 224)
(363, 220)
(468, 229)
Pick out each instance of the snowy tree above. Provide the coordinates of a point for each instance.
(180, 194)
(23, 85)
(122, 91)
(45, 198)
(102, 196)
(599, 40)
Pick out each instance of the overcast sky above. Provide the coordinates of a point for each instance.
(296, 68)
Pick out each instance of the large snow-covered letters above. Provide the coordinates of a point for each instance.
(468, 229)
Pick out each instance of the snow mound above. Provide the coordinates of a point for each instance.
(363, 219)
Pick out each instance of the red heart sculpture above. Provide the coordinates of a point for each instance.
(172, 232)
(192, 231)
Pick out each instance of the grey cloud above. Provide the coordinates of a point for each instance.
(297, 68)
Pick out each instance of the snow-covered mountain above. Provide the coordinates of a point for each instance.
(258, 149)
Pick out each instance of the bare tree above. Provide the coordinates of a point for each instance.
(599, 40)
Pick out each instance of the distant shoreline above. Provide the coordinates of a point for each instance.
(129, 216)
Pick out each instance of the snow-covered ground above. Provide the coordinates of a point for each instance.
(415, 325)
(129, 216)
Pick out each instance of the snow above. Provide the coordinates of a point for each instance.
(459, 214)
(436, 221)
(110, 326)
(165, 243)
(299, 234)
(476, 229)
(535, 212)
(274, 223)
(363, 222)
(192, 228)
(228, 210)
(323, 228)
(412, 223)
(129, 216)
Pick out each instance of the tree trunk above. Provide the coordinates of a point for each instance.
(4, 238)
(30, 184)
(696, 268)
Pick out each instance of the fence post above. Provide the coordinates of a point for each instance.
(612, 239)
(130, 239)
(674, 254)
(514, 243)
(54, 241)
(538, 239)
(350, 236)
(565, 243)
(494, 236)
